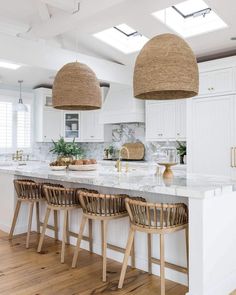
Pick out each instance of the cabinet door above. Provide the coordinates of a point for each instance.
(71, 126)
(211, 135)
(216, 82)
(181, 119)
(160, 120)
(51, 125)
(92, 129)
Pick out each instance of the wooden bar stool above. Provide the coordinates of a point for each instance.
(104, 208)
(30, 192)
(61, 199)
(155, 219)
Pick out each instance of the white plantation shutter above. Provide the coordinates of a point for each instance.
(6, 124)
(15, 127)
(24, 129)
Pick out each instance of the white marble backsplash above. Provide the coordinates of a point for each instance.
(121, 133)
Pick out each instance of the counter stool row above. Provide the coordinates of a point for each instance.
(145, 217)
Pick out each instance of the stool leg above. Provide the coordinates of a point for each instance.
(31, 208)
(133, 254)
(18, 204)
(67, 229)
(126, 257)
(90, 223)
(37, 217)
(64, 236)
(55, 224)
(80, 235)
(162, 264)
(43, 229)
(149, 240)
(104, 250)
(187, 250)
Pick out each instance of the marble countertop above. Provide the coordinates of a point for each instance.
(185, 185)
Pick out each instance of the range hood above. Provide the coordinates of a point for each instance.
(120, 106)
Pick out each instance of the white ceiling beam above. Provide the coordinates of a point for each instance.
(43, 11)
(68, 5)
(39, 54)
(63, 23)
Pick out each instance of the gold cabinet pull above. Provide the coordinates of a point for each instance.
(232, 153)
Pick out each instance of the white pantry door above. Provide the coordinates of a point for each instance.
(212, 135)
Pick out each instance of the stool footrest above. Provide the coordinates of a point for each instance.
(170, 265)
(71, 233)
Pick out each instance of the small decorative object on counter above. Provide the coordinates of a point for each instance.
(66, 151)
(167, 157)
(182, 151)
(105, 154)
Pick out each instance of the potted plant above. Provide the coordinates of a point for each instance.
(110, 151)
(182, 151)
(66, 151)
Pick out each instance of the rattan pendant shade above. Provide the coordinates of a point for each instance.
(76, 87)
(166, 68)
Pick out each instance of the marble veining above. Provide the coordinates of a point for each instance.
(183, 185)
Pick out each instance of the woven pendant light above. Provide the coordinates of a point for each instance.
(76, 87)
(166, 68)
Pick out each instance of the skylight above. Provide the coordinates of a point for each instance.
(123, 38)
(190, 18)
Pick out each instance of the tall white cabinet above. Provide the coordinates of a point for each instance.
(211, 121)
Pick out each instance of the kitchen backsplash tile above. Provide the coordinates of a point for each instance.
(121, 133)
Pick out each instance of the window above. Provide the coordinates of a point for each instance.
(24, 129)
(123, 38)
(5, 125)
(190, 18)
(15, 128)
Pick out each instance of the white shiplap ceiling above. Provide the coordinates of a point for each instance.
(55, 22)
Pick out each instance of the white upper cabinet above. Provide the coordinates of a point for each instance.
(72, 125)
(92, 129)
(48, 121)
(180, 119)
(166, 120)
(216, 82)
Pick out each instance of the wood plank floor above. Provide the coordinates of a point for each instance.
(25, 272)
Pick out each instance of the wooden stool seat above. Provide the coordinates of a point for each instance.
(159, 219)
(61, 199)
(103, 207)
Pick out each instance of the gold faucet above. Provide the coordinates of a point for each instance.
(18, 156)
(119, 163)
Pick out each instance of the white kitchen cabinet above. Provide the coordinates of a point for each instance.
(92, 129)
(211, 135)
(48, 121)
(166, 120)
(216, 82)
(180, 119)
(51, 125)
(72, 125)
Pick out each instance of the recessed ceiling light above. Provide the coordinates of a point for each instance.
(123, 38)
(190, 18)
(9, 65)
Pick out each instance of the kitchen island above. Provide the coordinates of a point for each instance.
(212, 219)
